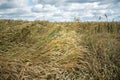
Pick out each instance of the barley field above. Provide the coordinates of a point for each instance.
(43, 50)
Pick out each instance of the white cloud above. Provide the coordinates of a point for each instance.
(44, 8)
(63, 10)
(84, 6)
(37, 8)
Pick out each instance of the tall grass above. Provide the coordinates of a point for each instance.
(42, 50)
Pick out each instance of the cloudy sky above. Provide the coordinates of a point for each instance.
(60, 10)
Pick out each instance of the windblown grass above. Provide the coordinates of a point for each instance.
(42, 50)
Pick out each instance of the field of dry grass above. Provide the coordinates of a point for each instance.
(42, 50)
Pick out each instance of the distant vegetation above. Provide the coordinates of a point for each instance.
(42, 50)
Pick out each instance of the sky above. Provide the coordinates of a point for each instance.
(60, 10)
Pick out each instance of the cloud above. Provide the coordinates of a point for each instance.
(84, 6)
(44, 8)
(59, 10)
(91, 1)
(13, 8)
(52, 2)
(8, 4)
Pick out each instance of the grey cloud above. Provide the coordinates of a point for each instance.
(58, 15)
(45, 1)
(80, 1)
(13, 8)
(48, 1)
(90, 11)
(54, 2)
(91, 1)
(60, 10)
(7, 4)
